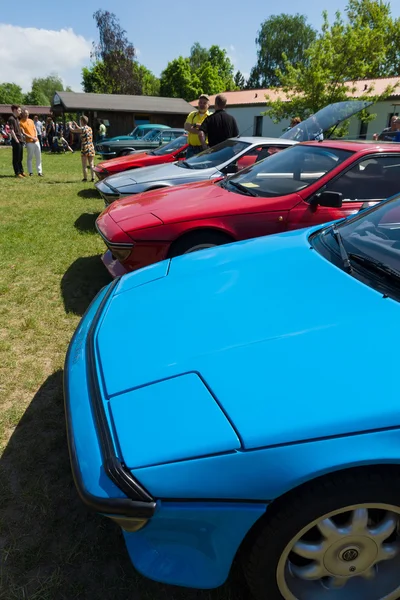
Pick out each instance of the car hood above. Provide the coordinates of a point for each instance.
(291, 347)
(329, 116)
(162, 173)
(122, 161)
(119, 138)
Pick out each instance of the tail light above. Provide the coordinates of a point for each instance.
(121, 253)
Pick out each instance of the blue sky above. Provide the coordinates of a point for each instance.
(57, 36)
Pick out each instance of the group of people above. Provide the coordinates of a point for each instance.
(25, 132)
(205, 129)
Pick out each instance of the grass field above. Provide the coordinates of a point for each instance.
(51, 546)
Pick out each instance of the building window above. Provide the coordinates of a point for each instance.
(258, 125)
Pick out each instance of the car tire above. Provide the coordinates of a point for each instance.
(126, 152)
(198, 240)
(359, 499)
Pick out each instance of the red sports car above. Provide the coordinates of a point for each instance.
(174, 150)
(305, 185)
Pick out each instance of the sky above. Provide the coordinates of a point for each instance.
(47, 37)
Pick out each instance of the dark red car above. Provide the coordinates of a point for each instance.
(305, 185)
(174, 150)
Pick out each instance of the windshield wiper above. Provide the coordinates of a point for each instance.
(242, 188)
(376, 265)
(343, 252)
(185, 164)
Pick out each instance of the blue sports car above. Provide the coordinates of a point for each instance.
(243, 402)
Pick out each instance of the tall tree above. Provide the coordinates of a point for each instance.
(11, 93)
(178, 80)
(117, 54)
(240, 81)
(343, 53)
(43, 89)
(219, 59)
(198, 56)
(280, 33)
(95, 80)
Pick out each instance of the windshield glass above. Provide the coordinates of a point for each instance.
(290, 171)
(314, 127)
(152, 135)
(171, 146)
(215, 156)
(375, 234)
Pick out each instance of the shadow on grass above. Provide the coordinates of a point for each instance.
(89, 193)
(81, 282)
(55, 548)
(86, 222)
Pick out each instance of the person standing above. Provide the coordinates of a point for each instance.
(87, 147)
(39, 130)
(50, 133)
(102, 131)
(219, 126)
(32, 143)
(16, 141)
(192, 125)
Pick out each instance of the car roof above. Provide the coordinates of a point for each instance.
(357, 145)
(264, 140)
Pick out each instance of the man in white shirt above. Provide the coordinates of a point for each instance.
(39, 129)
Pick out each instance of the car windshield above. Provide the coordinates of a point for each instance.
(152, 135)
(215, 156)
(333, 114)
(366, 245)
(138, 132)
(171, 146)
(288, 172)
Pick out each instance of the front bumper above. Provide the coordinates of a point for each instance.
(103, 483)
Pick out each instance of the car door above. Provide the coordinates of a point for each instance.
(371, 179)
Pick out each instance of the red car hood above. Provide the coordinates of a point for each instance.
(177, 203)
(122, 163)
(188, 201)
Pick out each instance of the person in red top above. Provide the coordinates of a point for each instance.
(16, 141)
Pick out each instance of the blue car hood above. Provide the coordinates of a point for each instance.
(290, 347)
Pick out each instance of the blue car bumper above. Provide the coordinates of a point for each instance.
(188, 543)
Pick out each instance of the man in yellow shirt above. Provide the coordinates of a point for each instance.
(32, 142)
(192, 125)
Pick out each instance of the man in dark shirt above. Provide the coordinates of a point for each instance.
(16, 141)
(219, 126)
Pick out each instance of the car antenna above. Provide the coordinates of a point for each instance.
(336, 124)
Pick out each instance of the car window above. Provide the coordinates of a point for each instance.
(167, 136)
(256, 154)
(216, 156)
(374, 178)
(171, 146)
(290, 171)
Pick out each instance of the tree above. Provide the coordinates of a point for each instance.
(178, 81)
(117, 55)
(343, 53)
(94, 80)
(43, 90)
(198, 56)
(372, 15)
(220, 60)
(240, 81)
(280, 33)
(150, 84)
(10, 93)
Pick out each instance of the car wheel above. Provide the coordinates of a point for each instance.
(198, 240)
(126, 152)
(337, 538)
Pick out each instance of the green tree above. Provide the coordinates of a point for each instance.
(95, 81)
(117, 54)
(375, 16)
(198, 56)
(220, 60)
(280, 33)
(11, 93)
(240, 81)
(343, 53)
(150, 84)
(43, 90)
(178, 80)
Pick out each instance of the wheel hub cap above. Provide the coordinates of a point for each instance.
(349, 558)
(350, 554)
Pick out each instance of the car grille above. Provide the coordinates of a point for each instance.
(103, 148)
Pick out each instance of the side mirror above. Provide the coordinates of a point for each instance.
(231, 169)
(328, 199)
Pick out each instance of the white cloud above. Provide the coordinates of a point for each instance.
(27, 52)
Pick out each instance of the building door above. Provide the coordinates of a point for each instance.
(258, 123)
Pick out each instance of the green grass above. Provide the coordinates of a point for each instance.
(51, 546)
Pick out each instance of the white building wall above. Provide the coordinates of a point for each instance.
(245, 117)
